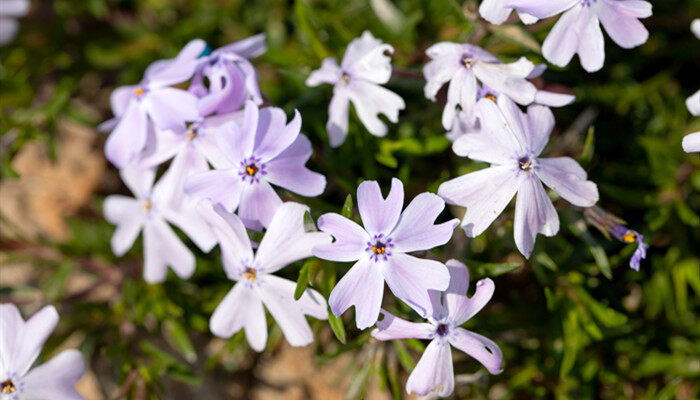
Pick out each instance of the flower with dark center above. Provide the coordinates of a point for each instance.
(7, 387)
(525, 164)
(250, 274)
(442, 330)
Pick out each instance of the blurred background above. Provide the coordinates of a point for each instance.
(574, 322)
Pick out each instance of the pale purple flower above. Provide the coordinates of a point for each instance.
(232, 78)
(364, 68)
(695, 27)
(262, 150)
(578, 30)
(450, 309)
(10, 11)
(691, 142)
(380, 249)
(285, 242)
(153, 100)
(150, 210)
(497, 12)
(464, 66)
(511, 142)
(20, 345)
(609, 225)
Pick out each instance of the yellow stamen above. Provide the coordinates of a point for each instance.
(147, 205)
(251, 170)
(250, 274)
(491, 97)
(8, 387)
(190, 134)
(379, 249)
(630, 237)
(139, 91)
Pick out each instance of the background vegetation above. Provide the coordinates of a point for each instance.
(573, 322)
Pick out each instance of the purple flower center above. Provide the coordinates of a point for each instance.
(587, 3)
(442, 330)
(147, 206)
(345, 78)
(251, 274)
(379, 247)
(467, 61)
(525, 164)
(251, 169)
(191, 132)
(7, 387)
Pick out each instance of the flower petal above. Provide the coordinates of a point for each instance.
(365, 58)
(285, 240)
(563, 40)
(691, 143)
(455, 297)
(236, 249)
(494, 11)
(288, 171)
(508, 79)
(128, 214)
(21, 341)
(484, 350)
(591, 49)
(434, 371)
(170, 108)
(286, 313)
(250, 47)
(379, 216)
(553, 99)
(620, 21)
(485, 193)
(534, 213)
(129, 136)
(566, 177)
(410, 278)
(539, 125)
(416, 229)
(338, 114)
(541, 9)
(504, 123)
(393, 327)
(274, 135)
(328, 73)
(310, 303)
(162, 248)
(259, 202)
(222, 187)
(371, 100)
(56, 379)
(350, 239)
(241, 308)
(362, 287)
(693, 104)
(462, 308)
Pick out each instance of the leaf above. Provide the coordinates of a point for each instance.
(303, 280)
(518, 35)
(495, 269)
(579, 229)
(588, 147)
(347, 209)
(176, 335)
(605, 315)
(337, 326)
(307, 31)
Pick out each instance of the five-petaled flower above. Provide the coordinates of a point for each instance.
(365, 66)
(609, 225)
(152, 100)
(380, 250)
(512, 141)
(284, 243)
(20, 345)
(578, 29)
(449, 310)
(262, 150)
(152, 206)
(461, 65)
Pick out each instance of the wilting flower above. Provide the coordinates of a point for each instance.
(262, 150)
(20, 344)
(381, 248)
(578, 29)
(284, 243)
(152, 100)
(609, 225)
(365, 66)
(232, 78)
(449, 310)
(10, 10)
(462, 65)
(497, 12)
(149, 210)
(512, 142)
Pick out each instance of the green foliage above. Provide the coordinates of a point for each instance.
(574, 322)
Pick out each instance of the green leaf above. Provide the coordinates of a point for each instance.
(495, 269)
(588, 147)
(336, 324)
(605, 315)
(347, 209)
(303, 280)
(176, 335)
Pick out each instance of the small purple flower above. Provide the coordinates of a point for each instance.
(20, 345)
(497, 12)
(609, 225)
(285, 242)
(449, 310)
(232, 78)
(381, 248)
(152, 206)
(578, 29)
(262, 150)
(512, 142)
(462, 65)
(691, 142)
(152, 100)
(365, 66)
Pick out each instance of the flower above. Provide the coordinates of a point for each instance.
(380, 250)
(461, 65)
(609, 224)
(512, 142)
(691, 142)
(232, 78)
(152, 100)
(152, 206)
(284, 243)
(448, 311)
(365, 66)
(10, 10)
(578, 29)
(695, 27)
(262, 150)
(497, 12)
(20, 344)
